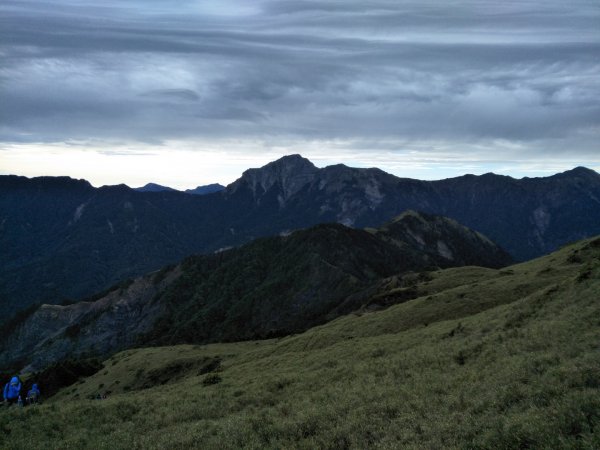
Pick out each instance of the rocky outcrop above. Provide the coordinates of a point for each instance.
(446, 239)
(289, 175)
(106, 325)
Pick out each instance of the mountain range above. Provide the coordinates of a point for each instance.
(271, 287)
(62, 239)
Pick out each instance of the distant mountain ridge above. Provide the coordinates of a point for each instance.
(271, 287)
(62, 239)
(200, 190)
(153, 187)
(207, 189)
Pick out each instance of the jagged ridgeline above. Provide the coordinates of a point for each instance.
(270, 287)
(62, 239)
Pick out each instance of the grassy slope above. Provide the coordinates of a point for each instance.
(484, 359)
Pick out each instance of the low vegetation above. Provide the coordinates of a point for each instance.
(480, 359)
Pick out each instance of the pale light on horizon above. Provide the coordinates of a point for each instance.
(181, 165)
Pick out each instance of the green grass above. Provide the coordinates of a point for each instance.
(482, 359)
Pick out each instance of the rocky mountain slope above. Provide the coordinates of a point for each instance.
(270, 287)
(62, 239)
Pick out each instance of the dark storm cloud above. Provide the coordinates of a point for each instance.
(392, 70)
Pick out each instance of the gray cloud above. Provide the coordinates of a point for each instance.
(278, 70)
(174, 94)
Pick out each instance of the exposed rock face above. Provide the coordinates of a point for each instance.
(109, 324)
(289, 174)
(272, 286)
(63, 239)
(447, 238)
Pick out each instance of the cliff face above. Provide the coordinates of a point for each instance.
(111, 323)
(287, 175)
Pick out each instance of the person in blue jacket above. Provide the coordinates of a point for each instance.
(33, 396)
(12, 390)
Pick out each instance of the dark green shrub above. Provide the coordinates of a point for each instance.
(212, 379)
(64, 373)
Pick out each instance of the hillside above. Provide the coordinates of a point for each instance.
(62, 239)
(270, 287)
(486, 359)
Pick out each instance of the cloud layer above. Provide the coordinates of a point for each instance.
(378, 76)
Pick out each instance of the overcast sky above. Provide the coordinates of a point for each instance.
(191, 92)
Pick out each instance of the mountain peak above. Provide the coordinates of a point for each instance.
(292, 157)
(580, 171)
(290, 173)
(153, 187)
(287, 165)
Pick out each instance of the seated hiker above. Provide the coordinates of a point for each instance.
(12, 390)
(33, 396)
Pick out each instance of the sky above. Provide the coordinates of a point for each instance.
(185, 93)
